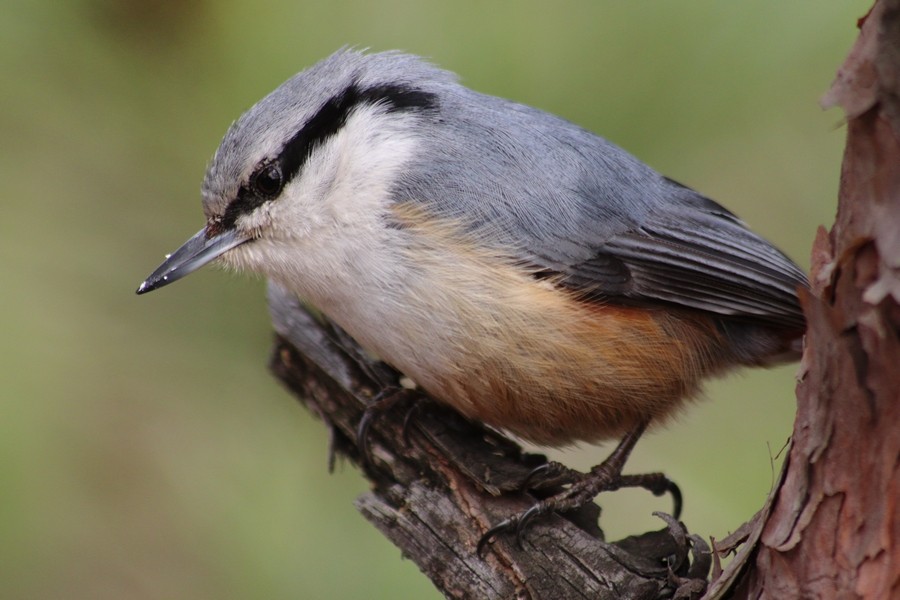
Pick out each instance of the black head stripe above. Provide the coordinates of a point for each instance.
(397, 97)
(325, 123)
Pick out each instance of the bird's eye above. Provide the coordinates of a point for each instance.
(267, 181)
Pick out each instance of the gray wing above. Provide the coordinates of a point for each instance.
(586, 212)
(692, 252)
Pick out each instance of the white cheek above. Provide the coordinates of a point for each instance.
(368, 156)
(346, 181)
(326, 229)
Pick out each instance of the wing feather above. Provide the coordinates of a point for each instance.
(705, 259)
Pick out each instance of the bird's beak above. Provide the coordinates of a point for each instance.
(192, 255)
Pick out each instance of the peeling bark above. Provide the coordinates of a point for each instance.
(834, 526)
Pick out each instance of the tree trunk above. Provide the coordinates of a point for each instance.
(834, 527)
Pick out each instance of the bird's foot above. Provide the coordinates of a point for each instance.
(582, 489)
(386, 400)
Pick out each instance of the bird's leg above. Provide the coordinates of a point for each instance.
(583, 487)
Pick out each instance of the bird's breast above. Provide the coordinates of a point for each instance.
(477, 331)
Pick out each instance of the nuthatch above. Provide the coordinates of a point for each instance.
(528, 273)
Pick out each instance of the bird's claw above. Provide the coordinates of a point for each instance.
(583, 488)
(383, 401)
(517, 523)
(549, 474)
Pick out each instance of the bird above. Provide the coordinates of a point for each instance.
(519, 268)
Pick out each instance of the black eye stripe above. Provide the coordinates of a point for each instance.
(327, 121)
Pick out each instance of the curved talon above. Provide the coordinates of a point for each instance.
(362, 437)
(664, 485)
(552, 473)
(382, 402)
(533, 474)
(492, 532)
(677, 501)
(657, 484)
(407, 420)
(332, 448)
(524, 521)
(519, 524)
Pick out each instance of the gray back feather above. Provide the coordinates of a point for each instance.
(577, 206)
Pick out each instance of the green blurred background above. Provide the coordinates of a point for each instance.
(145, 452)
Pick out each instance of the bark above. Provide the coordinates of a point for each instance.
(834, 523)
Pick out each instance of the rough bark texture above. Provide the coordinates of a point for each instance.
(829, 530)
(437, 487)
(834, 526)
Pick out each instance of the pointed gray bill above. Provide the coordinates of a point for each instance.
(192, 255)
